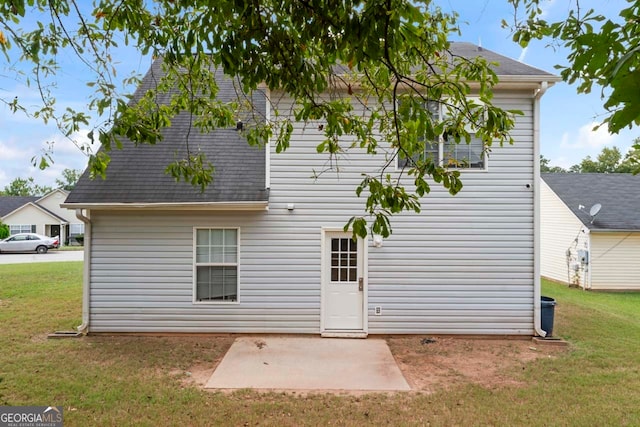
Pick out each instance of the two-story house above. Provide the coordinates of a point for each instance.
(263, 250)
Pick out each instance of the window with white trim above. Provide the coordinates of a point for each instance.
(76, 229)
(21, 228)
(446, 152)
(464, 155)
(216, 264)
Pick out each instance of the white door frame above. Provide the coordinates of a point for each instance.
(324, 271)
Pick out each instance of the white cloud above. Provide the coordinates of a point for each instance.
(49, 175)
(25, 94)
(65, 154)
(546, 7)
(563, 162)
(588, 138)
(16, 158)
(9, 151)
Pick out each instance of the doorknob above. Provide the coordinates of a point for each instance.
(361, 283)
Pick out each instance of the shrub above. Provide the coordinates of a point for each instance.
(4, 231)
(80, 239)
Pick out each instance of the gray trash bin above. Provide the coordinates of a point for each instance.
(547, 308)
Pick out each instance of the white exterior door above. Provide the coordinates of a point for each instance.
(343, 282)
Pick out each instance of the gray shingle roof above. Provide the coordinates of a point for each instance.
(619, 195)
(9, 204)
(506, 66)
(137, 174)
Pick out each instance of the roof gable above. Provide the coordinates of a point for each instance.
(619, 195)
(506, 66)
(35, 205)
(51, 193)
(136, 174)
(9, 204)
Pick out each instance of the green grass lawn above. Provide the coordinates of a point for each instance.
(139, 380)
(71, 248)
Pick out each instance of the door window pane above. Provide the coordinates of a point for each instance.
(344, 260)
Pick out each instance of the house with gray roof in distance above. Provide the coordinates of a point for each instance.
(590, 230)
(262, 249)
(42, 215)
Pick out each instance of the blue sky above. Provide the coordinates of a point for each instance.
(567, 119)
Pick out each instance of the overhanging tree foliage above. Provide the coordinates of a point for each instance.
(335, 58)
(604, 52)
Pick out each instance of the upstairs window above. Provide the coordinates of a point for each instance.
(431, 147)
(445, 151)
(463, 155)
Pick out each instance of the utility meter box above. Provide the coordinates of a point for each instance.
(583, 256)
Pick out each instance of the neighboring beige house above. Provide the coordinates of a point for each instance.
(42, 215)
(590, 230)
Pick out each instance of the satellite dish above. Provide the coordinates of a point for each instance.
(595, 209)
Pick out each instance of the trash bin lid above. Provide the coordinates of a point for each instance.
(547, 301)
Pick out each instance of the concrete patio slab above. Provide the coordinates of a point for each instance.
(308, 363)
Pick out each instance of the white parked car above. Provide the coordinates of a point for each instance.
(28, 242)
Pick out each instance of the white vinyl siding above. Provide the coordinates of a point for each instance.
(615, 261)
(462, 266)
(559, 228)
(142, 274)
(465, 265)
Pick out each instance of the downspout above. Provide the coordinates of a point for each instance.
(536, 209)
(587, 279)
(86, 275)
(267, 148)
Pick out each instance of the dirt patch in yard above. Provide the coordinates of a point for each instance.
(197, 375)
(433, 363)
